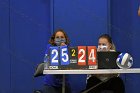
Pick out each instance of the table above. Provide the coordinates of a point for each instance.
(96, 71)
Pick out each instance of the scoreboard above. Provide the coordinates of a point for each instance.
(78, 57)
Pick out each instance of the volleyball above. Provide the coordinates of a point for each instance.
(124, 60)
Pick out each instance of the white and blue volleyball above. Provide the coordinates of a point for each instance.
(124, 60)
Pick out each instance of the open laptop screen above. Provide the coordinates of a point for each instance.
(107, 60)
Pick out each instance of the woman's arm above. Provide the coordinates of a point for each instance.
(139, 11)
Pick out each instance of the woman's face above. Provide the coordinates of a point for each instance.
(60, 39)
(103, 45)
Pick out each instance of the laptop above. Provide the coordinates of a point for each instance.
(107, 60)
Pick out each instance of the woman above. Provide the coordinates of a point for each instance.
(53, 83)
(113, 82)
(105, 43)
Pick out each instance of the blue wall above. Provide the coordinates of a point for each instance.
(125, 30)
(82, 19)
(26, 26)
(24, 32)
(4, 48)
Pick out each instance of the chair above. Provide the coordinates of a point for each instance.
(39, 70)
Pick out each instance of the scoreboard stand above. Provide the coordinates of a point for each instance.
(66, 58)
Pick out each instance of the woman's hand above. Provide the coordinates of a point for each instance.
(63, 44)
